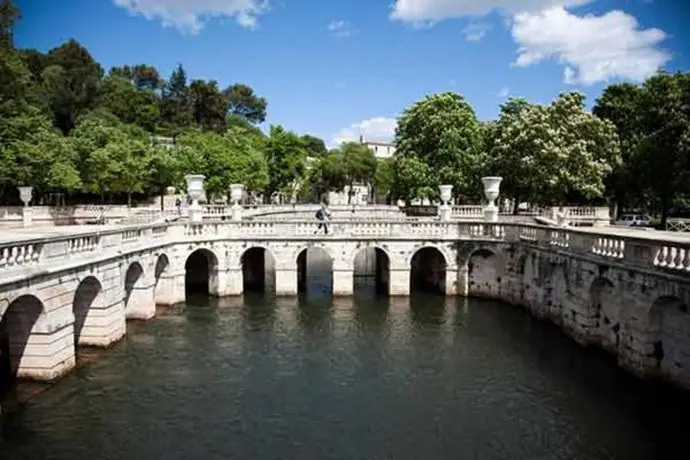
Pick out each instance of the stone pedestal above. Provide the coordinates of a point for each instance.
(399, 282)
(286, 282)
(444, 212)
(491, 214)
(170, 289)
(236, 212)
(27, 216)
(141, 303)
(196, 214)
(343, 283)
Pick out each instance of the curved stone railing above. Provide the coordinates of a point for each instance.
(22, 257)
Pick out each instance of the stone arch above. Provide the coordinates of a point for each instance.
(258, 269)
(16, 325)
(201, 272)
(604, 313)
(484, 273)
(371, 269)
(428, 270)
(160, 271)
(314, 270)
(669, 325)
(87, 298)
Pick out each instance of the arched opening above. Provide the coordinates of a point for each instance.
(201, 273)
(371, 271)
(15, 330)
(428, 271)
(484, 274)
(88, 294)
(258, 270)
(670, 328)
(161, 269)
(604, 312)
(315, 272)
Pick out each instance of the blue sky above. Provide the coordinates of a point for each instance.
(338, 69)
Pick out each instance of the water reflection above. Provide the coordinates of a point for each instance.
(369, 377)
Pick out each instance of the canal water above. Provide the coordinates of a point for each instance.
(425, 378)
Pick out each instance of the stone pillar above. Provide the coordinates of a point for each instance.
(49, 351)
(456, 282)
(399, 282)
(105, 321)
(230, 283)
(170, 289)
(27, 213)
(141, 303)
(286, 282)
(343, 282)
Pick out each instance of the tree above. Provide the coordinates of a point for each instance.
(550, 153)
(175, 105)
(224, 160)
(384, 177)
(208, 106)
(242, 101)
(328, 174)
(129, 104)
(411, 179)
(72, 82)
(33, 153)
(359, 164)
(315, 146)
(286, 157)
(443, 132)
(664, 149)
(142, 76)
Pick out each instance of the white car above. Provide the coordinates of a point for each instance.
(633, 220)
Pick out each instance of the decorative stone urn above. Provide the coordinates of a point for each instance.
(25, 195)
(236, 193)
(195, 190)
(445, 209)
(492, 188)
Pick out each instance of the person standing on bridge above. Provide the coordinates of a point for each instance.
(323, 214)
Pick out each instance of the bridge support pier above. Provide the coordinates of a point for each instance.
(141, 303)
(230, 283)
(286, 282)
(170, 289)
(103, 325)
(49, 351)
(399, 284)
(343, 281)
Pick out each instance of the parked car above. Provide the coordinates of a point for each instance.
(633, 220)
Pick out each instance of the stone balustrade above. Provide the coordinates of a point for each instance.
(641, 250)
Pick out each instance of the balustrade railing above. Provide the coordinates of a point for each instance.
(649, 250)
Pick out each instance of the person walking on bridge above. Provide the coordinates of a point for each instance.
(322, 215)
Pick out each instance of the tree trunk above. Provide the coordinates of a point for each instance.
(129, 199)
(162, 203)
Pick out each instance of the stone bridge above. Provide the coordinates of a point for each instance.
(625, 291)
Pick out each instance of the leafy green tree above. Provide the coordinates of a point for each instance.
(208, 105)
(175, 104)
(129, 104)
(550, 153)
(384, 177)
(72, 83)
(33, 152)
(142, 76)
(286, 157)
(242, 101)
(315, 146)
(411, 179)
(443, 132)
(359, 165)
(328, 174)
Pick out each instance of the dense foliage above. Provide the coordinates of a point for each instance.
(68, 126)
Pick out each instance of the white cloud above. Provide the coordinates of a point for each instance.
(191, 15)
(504, 92)
(436, 10)
(593, 48)
(340, 28)
(475, 32)
(378, 128)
